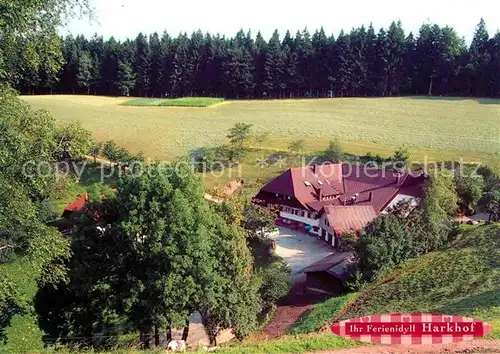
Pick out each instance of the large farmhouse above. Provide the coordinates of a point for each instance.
(326, 200)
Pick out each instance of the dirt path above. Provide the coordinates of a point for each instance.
(99, 160)
(475, 346)
(298, 250)
(292, 307)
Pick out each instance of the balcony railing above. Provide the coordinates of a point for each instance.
(312, 222)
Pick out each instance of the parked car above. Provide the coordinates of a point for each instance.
(266, 233)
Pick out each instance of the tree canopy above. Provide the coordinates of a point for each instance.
(34, 252)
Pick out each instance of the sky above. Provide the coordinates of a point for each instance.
(126, 18)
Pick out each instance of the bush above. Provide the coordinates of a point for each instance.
(385, 243)
(276, 282)
(400, 158)
(208, 159)
(374, 158)
(470, 190)
(347, 241)
(23, 335)
(99, 191)
(45, 212)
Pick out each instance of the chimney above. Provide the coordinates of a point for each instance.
(398, 178)
(313, 168)
(320, 193)
(370, 196)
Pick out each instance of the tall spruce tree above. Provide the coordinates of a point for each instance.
(394, 73)
(358, 40)
(480, 58)
(84, 74)
(343, 58)
(274, 67)
(182, 68)
(238, 70)
(320, 63)
(156, 66)
(125, 78)
(142, 64)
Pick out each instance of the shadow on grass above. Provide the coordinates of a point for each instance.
(486, 101)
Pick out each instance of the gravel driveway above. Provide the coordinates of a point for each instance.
(300, 250)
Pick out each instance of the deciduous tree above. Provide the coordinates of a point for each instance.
(73, 141)
(334, 152)
(297, 146)
(239, 134)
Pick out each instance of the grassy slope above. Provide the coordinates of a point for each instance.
(176, 102)
(453, 127)
(322, 313)
(462, 279)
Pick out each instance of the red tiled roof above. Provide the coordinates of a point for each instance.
(324, 179)
(354, 217)
(334, 185)
(78, 204)
(344, 181)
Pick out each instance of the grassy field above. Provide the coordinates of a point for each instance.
(435, 127)
(175, 102)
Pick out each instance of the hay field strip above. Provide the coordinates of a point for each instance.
(453, 126)
(175, 102)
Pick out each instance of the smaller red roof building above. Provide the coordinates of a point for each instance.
(77, 205)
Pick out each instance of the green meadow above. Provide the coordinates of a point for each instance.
(447, 129)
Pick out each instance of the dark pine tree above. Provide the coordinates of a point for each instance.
(156, 66)
(142, 65)
(274, 67)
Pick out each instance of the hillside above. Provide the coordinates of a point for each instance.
(461, 279)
